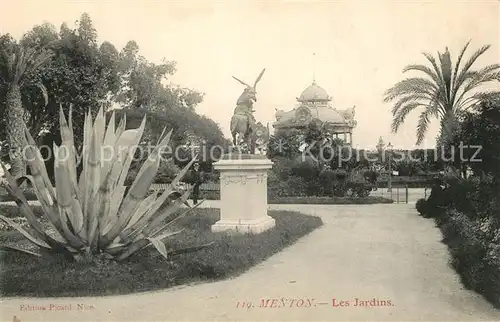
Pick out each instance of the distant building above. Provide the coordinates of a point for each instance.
(314, 105)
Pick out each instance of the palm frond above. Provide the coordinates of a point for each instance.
(26, 61)
(411, 86)
(409, 98)
(462, 75)
(402, 113)
(493, 68)
(437, 70)
(474, 99)
(423, 123)
(477, 79)
(422, 68)
(457, 66)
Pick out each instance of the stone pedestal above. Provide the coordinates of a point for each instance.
(243, 194)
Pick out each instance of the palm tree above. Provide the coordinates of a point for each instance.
(17, 68)
(444, 94)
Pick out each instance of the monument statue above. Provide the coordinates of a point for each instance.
(243, 122)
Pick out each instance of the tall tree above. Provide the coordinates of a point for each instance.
(380, 144)
(444, 94)
(479, 136)
(143, 83)
(82, 74)
(18, 64)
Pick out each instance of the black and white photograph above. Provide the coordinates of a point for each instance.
(251, 160)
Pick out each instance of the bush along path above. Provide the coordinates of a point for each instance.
(468, 214)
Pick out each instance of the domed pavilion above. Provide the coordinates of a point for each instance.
(314, 105)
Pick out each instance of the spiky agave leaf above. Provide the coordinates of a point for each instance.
(163, 200)
(19, 228)
(15, 191)
(170, 210)
(161, 230)
(125, 147)
(17, 249)
(108, 146)
(157, 242)
(37, 167)
(137, 192)
(109, 219)
(140, 214)
(138, 189)
(119, 143)
(37, 232)
(94, 182)
(157, 202)
(160, 246)
(127, 144)
(65, 202)
(67, 159)
(50, 211)
(69, 146)
(101, 206)
(83, 182)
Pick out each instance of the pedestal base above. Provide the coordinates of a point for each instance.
(255, 226)
(243, 194)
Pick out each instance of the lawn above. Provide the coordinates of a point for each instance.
(24, 275)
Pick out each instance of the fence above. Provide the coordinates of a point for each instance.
(402, 194)
(399, 194)
(207, 186)
(411, 182)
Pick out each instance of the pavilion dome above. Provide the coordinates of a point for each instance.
(314, 93)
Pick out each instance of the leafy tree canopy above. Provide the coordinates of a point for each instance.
(87, 75)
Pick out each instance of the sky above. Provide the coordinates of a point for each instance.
(361, 48)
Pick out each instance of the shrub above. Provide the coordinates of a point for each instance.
(282, 167)
(293, 186)
(357, 189)
(475, 251)
(421, 206)
(308, 170)
(371, 176)
(167, 171)
(327, 180)
(94, 215)
(340, 189)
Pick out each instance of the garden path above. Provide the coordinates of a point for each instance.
(362, 251)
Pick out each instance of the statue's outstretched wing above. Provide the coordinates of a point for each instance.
(242, 82)
(259, 77)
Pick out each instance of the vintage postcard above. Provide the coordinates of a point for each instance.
(222, 160)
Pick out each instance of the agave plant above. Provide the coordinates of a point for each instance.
(95, 214)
